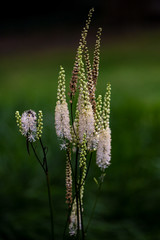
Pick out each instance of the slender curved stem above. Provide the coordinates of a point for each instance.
(94, 206)
(44, 166)
(81, 215)
(44, 156)
(89, 164)
(86, 172)
(50, 206)
(65, 228)
(76, 191)
(69, 158)
(37, 156)
(71, 105)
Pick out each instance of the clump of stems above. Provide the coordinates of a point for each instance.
(89, 128)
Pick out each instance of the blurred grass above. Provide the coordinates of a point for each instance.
(128, 206)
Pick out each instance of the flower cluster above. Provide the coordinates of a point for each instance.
(104, 149)
(62, 121)
(86, 116)
(29, 126)
(95, 125)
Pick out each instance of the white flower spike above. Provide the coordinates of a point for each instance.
(62, 121)
(104, 149)
(28, 125)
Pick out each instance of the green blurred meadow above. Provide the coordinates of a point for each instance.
(128, 207)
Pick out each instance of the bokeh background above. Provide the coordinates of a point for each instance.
(33, 44)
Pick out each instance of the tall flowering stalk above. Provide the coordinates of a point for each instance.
(82, 43)
(104, 144)
(85, 131)
(31, 128)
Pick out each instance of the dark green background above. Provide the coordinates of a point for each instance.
(128, 207)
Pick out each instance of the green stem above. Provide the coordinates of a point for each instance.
(87, 171)
(66, 224)
(37, 157)
(44, 166)
(48, 188)
(94, 206)
(69, 158)
(80, 185)
(76, 191)
(50, 206)
(81, 215)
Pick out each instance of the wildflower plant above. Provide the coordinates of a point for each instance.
(85, 131)
(31, 128)
(82, 125)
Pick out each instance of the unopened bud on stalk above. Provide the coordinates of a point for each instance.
(106, 106)
(40, 124)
